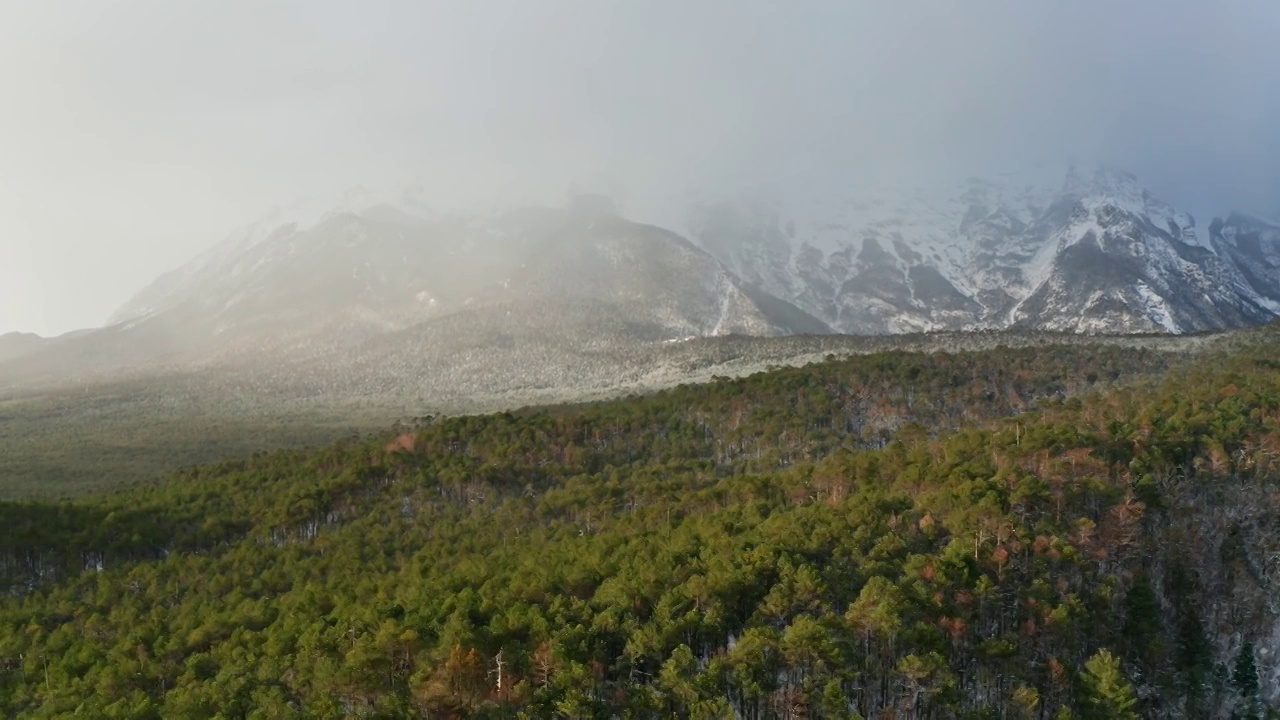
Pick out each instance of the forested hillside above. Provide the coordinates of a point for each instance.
(97, 435)
(1070, 532)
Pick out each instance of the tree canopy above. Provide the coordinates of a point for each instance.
(1046, 532)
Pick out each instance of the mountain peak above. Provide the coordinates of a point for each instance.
(363, 272)
(1071, 248)
(1091, 250)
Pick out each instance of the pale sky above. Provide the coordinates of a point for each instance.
(133, 134)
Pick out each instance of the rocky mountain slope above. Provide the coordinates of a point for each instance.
(1088, 252)
(352, 286)
(1252, 245)
(380, 281)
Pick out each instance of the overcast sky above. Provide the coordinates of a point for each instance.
(134, 134)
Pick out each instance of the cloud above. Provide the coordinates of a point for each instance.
(137, 132)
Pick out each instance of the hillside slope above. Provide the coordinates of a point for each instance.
(922, 535)
(66, 441)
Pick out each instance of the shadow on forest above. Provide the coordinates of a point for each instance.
(40, 542)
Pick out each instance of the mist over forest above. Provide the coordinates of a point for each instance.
(567, 359)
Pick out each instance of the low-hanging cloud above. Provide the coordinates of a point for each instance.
(135, 133)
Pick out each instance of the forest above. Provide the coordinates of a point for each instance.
(1046, 532)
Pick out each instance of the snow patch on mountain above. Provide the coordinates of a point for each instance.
(1072, 249)
(1156, 308)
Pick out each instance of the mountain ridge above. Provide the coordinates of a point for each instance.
(323, 285)
(1091, 253)
(286, 293)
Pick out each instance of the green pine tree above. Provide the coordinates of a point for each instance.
(1107, 693)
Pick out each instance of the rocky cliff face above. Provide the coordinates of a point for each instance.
(1086, 253)
(1252, 246)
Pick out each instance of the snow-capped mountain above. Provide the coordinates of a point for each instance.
(366, 280)
(1252, 245)
(380, 268)
(328, 285)
(1089, 252)
(223, 258)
